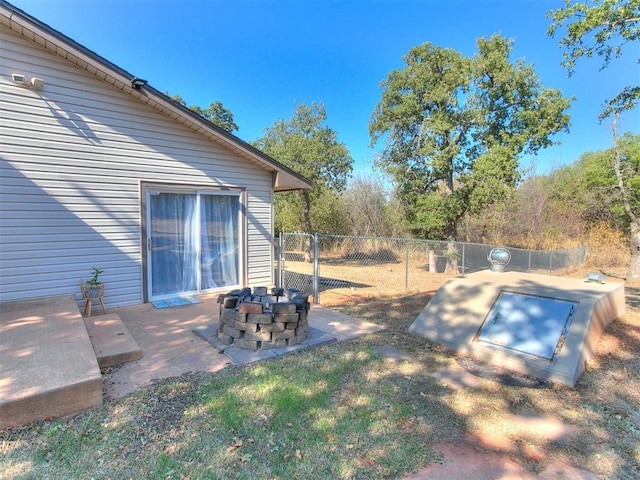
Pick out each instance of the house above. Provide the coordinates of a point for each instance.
(99, 169)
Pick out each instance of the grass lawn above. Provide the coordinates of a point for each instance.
(338, 412)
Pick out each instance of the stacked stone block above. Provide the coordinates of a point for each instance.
(260, 321)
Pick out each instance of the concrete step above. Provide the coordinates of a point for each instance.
(47, 365)
(112, 342)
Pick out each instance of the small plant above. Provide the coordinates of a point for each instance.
(96, 273)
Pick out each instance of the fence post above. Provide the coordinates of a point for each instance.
(463, 245)
(280, 261)
(316, 268)
(406, 264)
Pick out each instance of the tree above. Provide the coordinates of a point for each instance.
(601, 29)
(627, 167)
(454, 128)
(328, 213)
(366, 202)
(309, 147)
(589, 187)
(215, 113)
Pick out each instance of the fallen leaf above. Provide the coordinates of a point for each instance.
(298, 455)
(238, 443)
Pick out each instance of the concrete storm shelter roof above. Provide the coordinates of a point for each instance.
(544, 326)
(284, 178)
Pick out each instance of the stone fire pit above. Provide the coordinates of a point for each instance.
(261, 321)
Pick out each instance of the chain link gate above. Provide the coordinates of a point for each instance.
(355, 266)
(297, 263)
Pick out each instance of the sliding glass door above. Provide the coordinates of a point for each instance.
(220, 240)
(193, 241)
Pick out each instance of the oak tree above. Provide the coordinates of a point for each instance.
(216, 113)
(454, 128)
(307, 145)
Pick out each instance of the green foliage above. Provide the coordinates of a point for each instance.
(216, 113)
(603, 28)
(590, 185)
(454, 128)
(395, 218)
(288, 206)
(329, 214)
(588, 188)
(305, 144)
(627, 168)
(564, 207)
(311, 148)
(94, 280)
(436, 213)
(599, 28)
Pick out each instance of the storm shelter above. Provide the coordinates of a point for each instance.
(539, 325)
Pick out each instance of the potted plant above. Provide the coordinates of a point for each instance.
(93, 288)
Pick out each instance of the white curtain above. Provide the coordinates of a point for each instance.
(220, 242)
(174, 259)
(175, 224)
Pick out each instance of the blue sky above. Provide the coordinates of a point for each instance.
(261, 58)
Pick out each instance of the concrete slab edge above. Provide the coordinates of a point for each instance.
(241, 356)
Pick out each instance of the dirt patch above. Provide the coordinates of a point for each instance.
(472, 463)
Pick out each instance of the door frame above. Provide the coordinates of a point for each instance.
(147, 187)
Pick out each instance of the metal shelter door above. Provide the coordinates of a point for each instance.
(528, 323)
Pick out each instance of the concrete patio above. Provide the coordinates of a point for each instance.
(170, 347)
(51, 358)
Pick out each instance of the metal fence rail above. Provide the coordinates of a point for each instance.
(349, 266)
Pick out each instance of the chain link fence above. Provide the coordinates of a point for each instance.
(335, 267)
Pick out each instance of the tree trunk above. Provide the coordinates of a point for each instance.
(452, 232)
(634, 240)
(452, 257)
(452, 248)
(634, 265)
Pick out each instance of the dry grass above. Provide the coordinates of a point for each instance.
(607, 248)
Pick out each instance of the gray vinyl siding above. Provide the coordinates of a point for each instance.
(72, 158)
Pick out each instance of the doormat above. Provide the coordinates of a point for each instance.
(175, 302)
